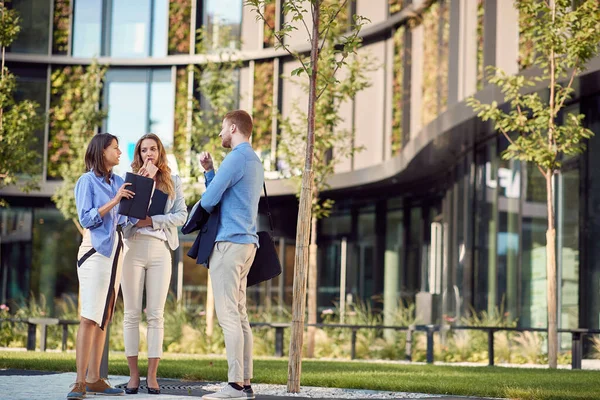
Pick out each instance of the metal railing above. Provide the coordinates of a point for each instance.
(577, 336)
(43, 323)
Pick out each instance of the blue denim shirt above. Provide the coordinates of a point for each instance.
(236, 187)
(91, 193)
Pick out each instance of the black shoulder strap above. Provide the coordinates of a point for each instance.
(268, 209)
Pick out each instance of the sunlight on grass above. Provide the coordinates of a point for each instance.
(511, 383)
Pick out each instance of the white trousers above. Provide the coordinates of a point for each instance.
(147, 262)
(229, 266)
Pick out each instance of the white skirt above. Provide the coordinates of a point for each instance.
(99, 278)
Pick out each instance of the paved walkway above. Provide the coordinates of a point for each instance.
(38, 385)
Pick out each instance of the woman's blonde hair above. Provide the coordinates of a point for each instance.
(163, 175)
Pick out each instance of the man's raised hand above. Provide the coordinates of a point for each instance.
(206, 161)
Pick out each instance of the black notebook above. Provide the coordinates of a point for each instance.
(137, 207)
(158, 204)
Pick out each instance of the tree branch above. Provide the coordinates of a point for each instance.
(330, 22)
(280, 38)
(507, 136)
(337, 67)
(573, 73)
(303, 22)
(541, 170)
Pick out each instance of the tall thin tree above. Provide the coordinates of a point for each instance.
(564, 36)
(296, 12)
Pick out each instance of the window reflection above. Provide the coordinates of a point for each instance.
(55, 245)
(138, 101)
(162, 108)
(568, 250)
(160, 28)
(31, 85)
(533, 269)
(130, 28)
(222, 21)
(15, 245)
(87, 28)
(35, 27)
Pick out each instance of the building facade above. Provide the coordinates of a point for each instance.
(427, 212)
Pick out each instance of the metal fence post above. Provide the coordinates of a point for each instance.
(430, 331)
(43, 336)
(408, 349)
(353, 345)
(65, 336)
(491, 347)
(31, 332)
(576, 350)
(279, 341)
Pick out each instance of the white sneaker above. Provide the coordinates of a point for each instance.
(227, 392)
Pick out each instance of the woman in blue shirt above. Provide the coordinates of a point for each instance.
(100, 258)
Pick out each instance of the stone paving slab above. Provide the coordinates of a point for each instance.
(40, 385)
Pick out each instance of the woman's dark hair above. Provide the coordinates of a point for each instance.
(94, 155)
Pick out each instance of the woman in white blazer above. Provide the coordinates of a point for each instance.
(147, 261)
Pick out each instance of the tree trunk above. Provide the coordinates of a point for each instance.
(551, 273)
(304, 219)
(551, 232)
(312, 290)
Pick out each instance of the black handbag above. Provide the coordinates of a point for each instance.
(266, 263)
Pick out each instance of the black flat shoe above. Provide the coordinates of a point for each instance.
(131, 390)
(153, 391)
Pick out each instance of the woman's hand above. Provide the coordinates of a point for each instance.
(124, 193)
(148, 170)
(144, 222)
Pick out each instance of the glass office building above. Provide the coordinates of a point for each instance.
(428, 207)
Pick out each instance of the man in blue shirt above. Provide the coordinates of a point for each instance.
(236, 187)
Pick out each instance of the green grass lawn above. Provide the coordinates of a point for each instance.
(512, 383)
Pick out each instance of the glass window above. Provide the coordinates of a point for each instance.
(486, 218)
(126, 101)
(533, 265)
(568, 250)
(162, 106)
(32, 85)
(509, 187)
(393, 262)
(130, 28)
(87, 28)
(135, 28)
(160, 28)
(590, 276)
(55, 245)
(15, 247)
(222, 22)
(139, 101)
(330, 254)
(34, 37)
